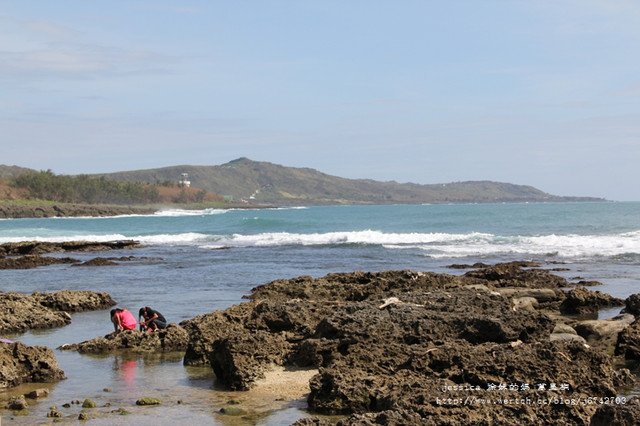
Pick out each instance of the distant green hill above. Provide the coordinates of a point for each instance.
(10, 172)
(268, 183)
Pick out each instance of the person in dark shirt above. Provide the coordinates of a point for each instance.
(151, 320)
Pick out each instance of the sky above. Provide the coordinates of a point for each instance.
(543, 93)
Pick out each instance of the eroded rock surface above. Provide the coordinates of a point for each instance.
(20, 363)
(21, 312)
(389, 344)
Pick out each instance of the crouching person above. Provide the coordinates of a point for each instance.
(122, 319)
(151, 320)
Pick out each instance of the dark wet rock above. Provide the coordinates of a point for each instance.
(37, 394)
(476, 265)
(97, 261)
(617, 414)
(83, 416)
(173, 338)
(632, 305)
(582, 301)
(147, 400)
(26, 364)
(21, 312)
(69, 210)
(24, 248)
(513, 275)
(17, 403)
(588, 283)
(33, 261)
(205, 330)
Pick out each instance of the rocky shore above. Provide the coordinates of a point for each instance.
(10, 210)
(21, 312)
(503, 344)
(493, 346)
(26, 364)
(29, 254)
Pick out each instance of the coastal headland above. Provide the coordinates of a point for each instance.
(241, 183)
(497, 344)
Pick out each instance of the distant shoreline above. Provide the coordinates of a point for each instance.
(34, 209)
(30, 209)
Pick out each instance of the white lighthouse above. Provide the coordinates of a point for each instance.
(184, 181)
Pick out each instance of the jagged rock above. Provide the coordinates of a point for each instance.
(393, 377)
(25, 364)
(241, 360)
(617, 414)
(632, 305)
(390, 365)
(20, 312)
(173, 338)
(628, 342)
(583, 301)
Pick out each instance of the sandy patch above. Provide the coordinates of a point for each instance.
(283, 383)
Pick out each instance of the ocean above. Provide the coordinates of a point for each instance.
(194, 262)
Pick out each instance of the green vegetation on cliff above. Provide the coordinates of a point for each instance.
(46, 185)
(268, 183)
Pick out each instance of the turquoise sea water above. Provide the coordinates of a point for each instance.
(194, 262)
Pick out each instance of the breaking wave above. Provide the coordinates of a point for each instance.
(431, 244)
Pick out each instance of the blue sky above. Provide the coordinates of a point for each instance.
(544, 93)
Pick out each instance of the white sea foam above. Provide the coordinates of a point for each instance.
(183, 212)
(353, 237)
(432, 244)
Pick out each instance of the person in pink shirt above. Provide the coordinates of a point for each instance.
(122, 319)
